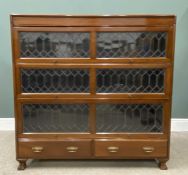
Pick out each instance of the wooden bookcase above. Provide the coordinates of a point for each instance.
(93, 87)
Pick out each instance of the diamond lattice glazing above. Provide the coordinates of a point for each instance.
(131, 44)
(54, 80)
(54, 44)
(55, 117)
(129, 118)
(130, 80)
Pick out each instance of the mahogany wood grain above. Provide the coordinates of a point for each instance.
(130, 148)
(54, 149)
(114, 21)
(93, 145)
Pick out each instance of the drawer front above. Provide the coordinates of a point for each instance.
(54, 149)
(132, 149)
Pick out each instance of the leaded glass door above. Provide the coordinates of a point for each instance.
(86, 66)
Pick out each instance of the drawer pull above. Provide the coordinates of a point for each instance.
(72, 149)
(113, 149)
(148, 149)
(37, 149)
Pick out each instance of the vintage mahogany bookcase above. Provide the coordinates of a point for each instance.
(93, 87)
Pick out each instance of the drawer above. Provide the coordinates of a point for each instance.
(54, 149)
(130, 148)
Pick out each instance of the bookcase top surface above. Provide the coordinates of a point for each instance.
(98, 16)
(59, 20)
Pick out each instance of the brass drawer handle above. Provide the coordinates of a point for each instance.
(72, 149)
(148, 149)
(37, 149)
(113, 149)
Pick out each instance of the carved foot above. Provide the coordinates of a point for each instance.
(162, 164)
(22, 164)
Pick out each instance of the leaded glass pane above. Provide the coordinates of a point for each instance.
(54, 44)
(131, 44)
(130, 80)
(54, 80)
(55, 117)
(129, 117)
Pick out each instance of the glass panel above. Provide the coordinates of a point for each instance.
(131, 44)
(55, 117)
(54, 80)
(129, 117)
(130, 80)
(54, 44)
